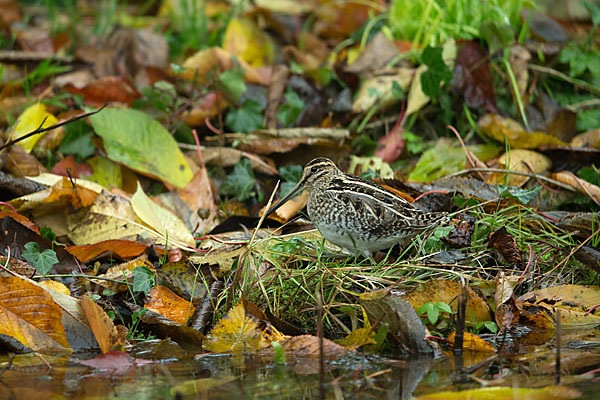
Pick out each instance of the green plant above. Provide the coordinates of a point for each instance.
(433, 310)
(240, 183)
(245, 119)
(432, 22)
(42, 261)
(437, 71)
(288, 112)
(489, 325)
(143, 279)
(291, 175)
(47, 68)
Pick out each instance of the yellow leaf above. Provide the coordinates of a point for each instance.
(473, 342)
(246, 40)
(357, 338)
(56, 286)
(29, 121)
(508, 393)
(161, 219)
(235, 333)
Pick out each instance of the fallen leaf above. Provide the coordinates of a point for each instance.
(31, 316)
(473, 342)
(106, 333)
(122, 249)
(166, 303)
(34, 117)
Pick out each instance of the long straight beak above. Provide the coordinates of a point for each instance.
(281, 202)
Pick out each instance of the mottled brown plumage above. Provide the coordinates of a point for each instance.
(357, 214)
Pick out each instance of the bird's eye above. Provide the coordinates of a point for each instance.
(314, 169)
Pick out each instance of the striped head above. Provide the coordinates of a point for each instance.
(319, 170)
(315, 170)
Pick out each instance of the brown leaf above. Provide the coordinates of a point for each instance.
(67, 192)
(68, 167)
(166, 303)
(473, 78)
(116, 362)
(507, 312)
(583, 186)
(506, 244)
(390, 146)
(473, 342)
(19, 163)
(29, 315)
(106, 333)
(106, 90)
(276, 90)
(308, 346)
(122, 249)
(460, 236)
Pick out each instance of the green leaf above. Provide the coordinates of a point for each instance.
(397, 91)
(590, 174)
(231, 82)
(291, 175)
(245, 119)
(436, 73)
(588, 119)
(41, 260)
(279, 353)
(443, 307)
(143, 279)
(491, 326)
(47, 233)
(240, 183)
(135, 139)
(78, 140)
(288, 112)
(523, 195)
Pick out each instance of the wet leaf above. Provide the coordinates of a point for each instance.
(507, 393)
(106, 333)
(115, 362)
(473, 342)
(136, 140)
(31, 316)
(235, 333)
(166, 303)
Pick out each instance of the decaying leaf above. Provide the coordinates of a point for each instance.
(506, 244)
(107, 335)
(31, 316)
(506, 312)
(166, 303)
(473, 342)
(238, 332)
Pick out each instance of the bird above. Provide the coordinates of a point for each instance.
(356, 214)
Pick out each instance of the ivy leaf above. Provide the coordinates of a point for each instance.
(245, 119)
(523, 195)
(291, 175)
(240, 183)
(288, 112)
(47, 233)
(231, 82)
(590, 174)
(41, 260)
(436, 73)
(143, 279)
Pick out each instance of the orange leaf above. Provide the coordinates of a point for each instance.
(166, 303)
(29, 315)
(122, 249)
(106, 333)
(473, 342)
(75, 195)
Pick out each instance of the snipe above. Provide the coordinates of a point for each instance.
(357, 214)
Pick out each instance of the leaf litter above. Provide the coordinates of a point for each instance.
(148, 229)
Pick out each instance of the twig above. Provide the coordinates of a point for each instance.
(507, 171)
(575, 82)
(51, 127)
